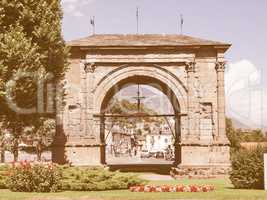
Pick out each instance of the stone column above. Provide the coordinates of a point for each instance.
(221, 134)
(177, 142)
(102, 141)
(84, 98)
(89, 69)
(193, 132)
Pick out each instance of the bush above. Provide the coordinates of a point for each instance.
(248, 168)
(97, 179)
(3, 176)
(27, 177)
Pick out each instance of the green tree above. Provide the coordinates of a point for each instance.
(248, 168)
(18, 55)
(252, 136)
(232, 135)
(32, 52)
(42, 135)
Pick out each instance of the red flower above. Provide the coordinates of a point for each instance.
(13, 163)
(152, 189)
(132, 189)
(167, 188)
(193, 188)
(205, 189)
(180, 188)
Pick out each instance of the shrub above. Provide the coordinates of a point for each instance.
(3, 176)
(248, 168)
(97, 179)
(27, 177)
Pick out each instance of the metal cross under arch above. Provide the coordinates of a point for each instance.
(139, 98)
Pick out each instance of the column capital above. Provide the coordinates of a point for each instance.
(89, 67)
(220, 66)
(190, 66)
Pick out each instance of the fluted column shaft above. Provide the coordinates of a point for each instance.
(83, 126)
(221, 134)
(193, 133)
(89, 120)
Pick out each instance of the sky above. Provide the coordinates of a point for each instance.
(243, 23)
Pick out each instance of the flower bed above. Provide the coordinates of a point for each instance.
(34, 177)
(178, 188)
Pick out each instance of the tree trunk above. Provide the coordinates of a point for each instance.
(16, 150)
(39, 151)
(2, 149)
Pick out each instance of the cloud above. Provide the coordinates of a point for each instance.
(74, 7)
(245, 95)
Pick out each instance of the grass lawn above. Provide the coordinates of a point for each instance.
(224, 191)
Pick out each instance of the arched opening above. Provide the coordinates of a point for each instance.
(138, 113)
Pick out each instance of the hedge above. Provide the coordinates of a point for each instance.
(248, 168)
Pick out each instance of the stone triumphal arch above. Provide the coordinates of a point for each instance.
(188, 70)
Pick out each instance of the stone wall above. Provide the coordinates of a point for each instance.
(194, 77)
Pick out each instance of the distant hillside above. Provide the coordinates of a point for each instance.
(126, 107)
(237, 124)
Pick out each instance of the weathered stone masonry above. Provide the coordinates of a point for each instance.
(190, 71)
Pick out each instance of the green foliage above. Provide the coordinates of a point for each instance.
(247, 164)
(46, 131)
(28, 177)
(42, 134)
(32, 51)
(30, 41)
(97, 179)
(41, 22)
(2, 146)
(3, 176)
(18, 55)
(252, 136)
(232, 135)
(248, 168)
(237, 136)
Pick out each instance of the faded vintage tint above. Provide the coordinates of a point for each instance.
(188, 70)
